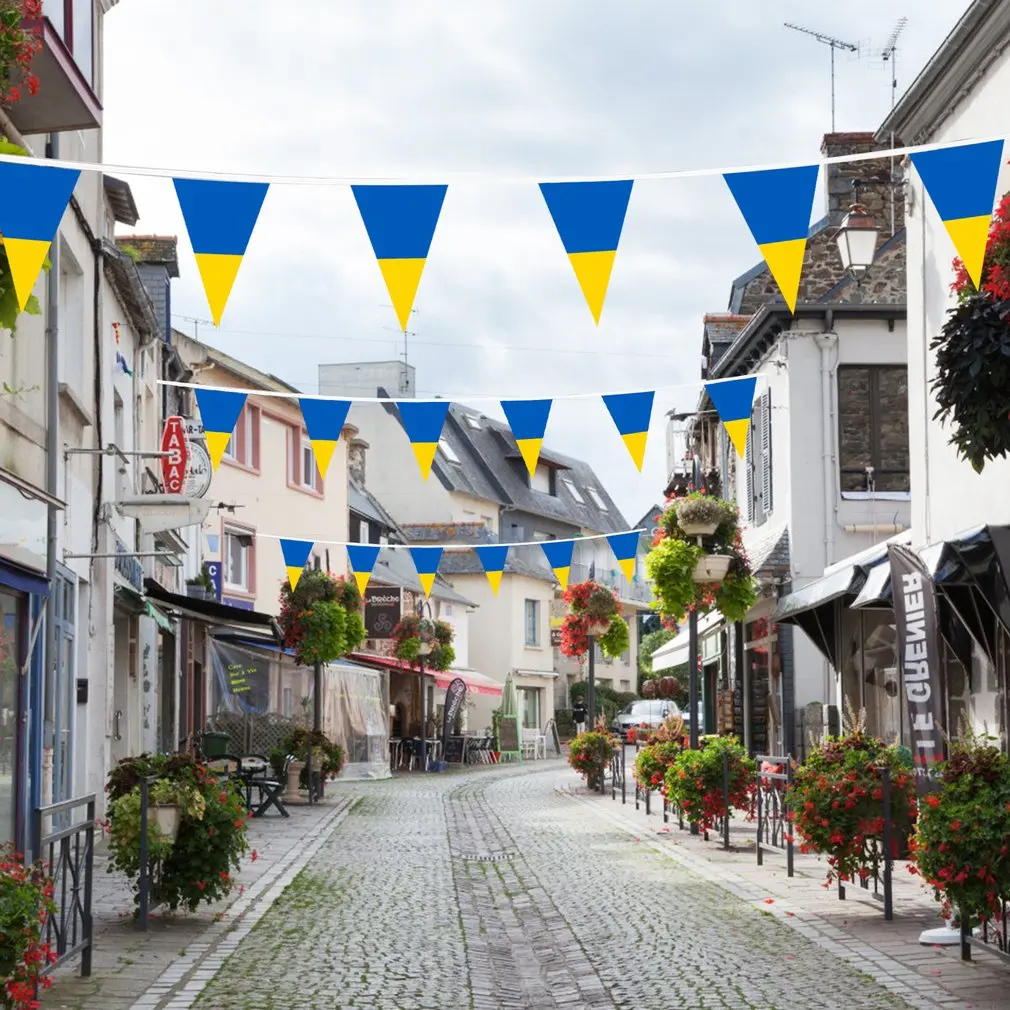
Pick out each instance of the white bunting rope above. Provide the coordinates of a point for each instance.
(455, 397)
(454, 546)
(476, 178)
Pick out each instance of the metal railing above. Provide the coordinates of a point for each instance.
(67, 851)
(618, 773)
(879, 856)
(993, 939)
(774, 829)
(148, 873)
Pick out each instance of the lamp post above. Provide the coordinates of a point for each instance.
(423, 650)
(857, 240)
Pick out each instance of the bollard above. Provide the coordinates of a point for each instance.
(725, 799)
(885, 788)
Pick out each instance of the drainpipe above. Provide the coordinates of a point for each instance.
(44, 792)
(876, 528)
(826, 342)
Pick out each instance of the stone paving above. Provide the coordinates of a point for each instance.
(512, 888)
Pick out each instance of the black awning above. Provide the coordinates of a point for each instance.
(211, 610)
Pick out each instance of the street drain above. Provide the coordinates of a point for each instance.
(487, 857)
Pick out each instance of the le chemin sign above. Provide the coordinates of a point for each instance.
(917, 628)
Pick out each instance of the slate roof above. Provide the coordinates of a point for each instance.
(394, 568)
(361, 501)
(489, 467)
(719, 332)
(768, 550)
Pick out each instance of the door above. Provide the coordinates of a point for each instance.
(13, 621)
(120, 744)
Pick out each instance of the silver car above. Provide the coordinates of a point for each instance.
(650, 713)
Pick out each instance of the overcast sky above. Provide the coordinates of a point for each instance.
(527, 88)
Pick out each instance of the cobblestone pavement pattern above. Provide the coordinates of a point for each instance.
(492, 892)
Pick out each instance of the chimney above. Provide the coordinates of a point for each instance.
(876, 192)
(356, 449)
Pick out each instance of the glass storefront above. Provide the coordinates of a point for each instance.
(12, 620)
(871, 681)
(763, 666)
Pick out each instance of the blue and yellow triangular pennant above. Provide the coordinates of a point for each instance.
(589, 217)
(528, 421)
(733, 399)
(493, 558)
(362, 558)
(220, 217)
(324, 421)
(426, 560)
(400, 221)
(625, 548)
(632, 413)
(961, 182)
(34, 199)
(423, 422)
(296, 557)
(559, 557)
(776, 204)
(219, 413)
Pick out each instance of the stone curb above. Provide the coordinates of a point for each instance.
(178, 987)
(888, 972)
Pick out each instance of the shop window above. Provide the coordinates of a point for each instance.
(529, 707)
(873, 428)
(871, 682)
(764, 673)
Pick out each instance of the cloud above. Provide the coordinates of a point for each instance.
(518, 88)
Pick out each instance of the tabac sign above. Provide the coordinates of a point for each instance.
(173, 464)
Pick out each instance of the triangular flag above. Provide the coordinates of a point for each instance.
(528, 421)
(324, 421)
(362, 560)
(220, 217)
(493, 558)
(589, 217)
(219, 412)
(296, 557)
(423, 422)
(625, 548)
(632, 413)
(961, 182)
(35, 197)
(426, 561)
(733, 399)
(776, 204)
(400, 221)
(559, 557)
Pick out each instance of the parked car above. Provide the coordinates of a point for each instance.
(650, 713)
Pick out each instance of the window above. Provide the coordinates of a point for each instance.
(448, 451)
(540, 535)
(532, 622)
(289, 703)
(243, 447)
(758, 462)
(574, 491)
(238, 560)
(873, 428)
(302, 470)
(597, 499)
(529, 706)
(543, 479)
(74, 23)
(472, 421)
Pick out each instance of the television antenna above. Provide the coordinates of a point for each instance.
(405, 377)
(833, 44)
(889, 54)
(197, 323)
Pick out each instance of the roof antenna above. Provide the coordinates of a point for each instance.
(889, 54)
(834, 44)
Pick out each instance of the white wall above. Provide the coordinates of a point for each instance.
(948, 496)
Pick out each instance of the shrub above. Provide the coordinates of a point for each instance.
(26, 903)
(298, 743)
(694, 782)
(652, 763)
(589, 754)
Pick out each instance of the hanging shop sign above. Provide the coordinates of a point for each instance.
(173, 465)
(383, 607)
(199, 471)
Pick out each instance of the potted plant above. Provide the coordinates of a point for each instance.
(697, 571)
(201, 587)
(650, 689)
(836, 800)
(26, 903)
(170, 800)
(669, 687)
(590, 753)
(960, 846)
(695, 783)
(321, 618)
(594, 610)
(972, 367)
(415, 637)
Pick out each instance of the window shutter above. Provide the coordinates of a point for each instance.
(766, 452)
(749, 470)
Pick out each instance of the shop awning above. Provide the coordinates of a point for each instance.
(677, 651)
(475, 682)
(24, 580)
(210, 610)
(159, 618)
(539, 674)
(876, 592)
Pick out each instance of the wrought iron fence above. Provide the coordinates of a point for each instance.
(993, 936)
(618, 772)
(67, 850)
(879, 855)
(150, 871)
(774, 829)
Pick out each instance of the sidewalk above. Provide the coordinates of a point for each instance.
(169, 964)
(853, 929)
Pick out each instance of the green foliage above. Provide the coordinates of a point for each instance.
(648, 645)
(589, 754)
(972, 376)
(616, 639)
(653, 761)
(413, 631)
(962, 840)
(694, 782)
(212, 832)
(836, 799)
(321, 618)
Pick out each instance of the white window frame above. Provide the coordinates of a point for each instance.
(597, 499)
(573, 490)
(531, 622)
(226, 566)
(447, 450)
(307, 476)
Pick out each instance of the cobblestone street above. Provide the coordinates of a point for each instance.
(492, 891)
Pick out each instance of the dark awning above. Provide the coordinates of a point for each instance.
(210, 610)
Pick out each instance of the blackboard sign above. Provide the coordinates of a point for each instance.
(382, 611)
(454, 749)
(552, 727)
(508, 734)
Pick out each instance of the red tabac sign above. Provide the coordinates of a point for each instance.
(173, 465)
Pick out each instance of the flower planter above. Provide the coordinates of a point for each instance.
(598, 628)
(698, 529)
(712, 568)
(168, 817)
(292, 795)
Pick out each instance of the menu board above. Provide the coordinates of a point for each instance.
(454, 749)
(508, 734)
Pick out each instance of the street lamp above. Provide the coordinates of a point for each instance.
(423, 650)
(857, 241)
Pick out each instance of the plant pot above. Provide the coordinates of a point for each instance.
(598, 628)
(168, 817)
(291, 794)
(198, 593)
(712, 568)
(698, 529)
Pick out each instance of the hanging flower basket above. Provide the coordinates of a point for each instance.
(700, 516)
(668, 687)
(594, 611)
(321, 618)
(712, 567)
(416, 637)
(168, 817)
(649, 689)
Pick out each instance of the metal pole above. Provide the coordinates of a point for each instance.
(144, 882)
(692, 703)
(52, 478)
(317, 720)
(725, 797)
(591, 687)
(885, 786)
(424, 716)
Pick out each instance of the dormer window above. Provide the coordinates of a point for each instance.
(544, 480)
(597, 499)
(574, 491)
(472, 421)
(448, 451)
